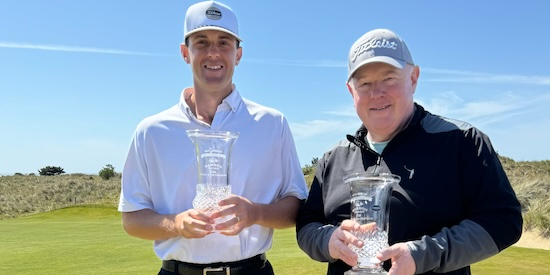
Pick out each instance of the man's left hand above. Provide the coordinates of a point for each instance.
(401, 260)
(243, 213)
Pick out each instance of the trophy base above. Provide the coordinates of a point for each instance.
(365, 271)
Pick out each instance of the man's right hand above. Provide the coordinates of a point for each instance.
(340, 239)
(194, 224)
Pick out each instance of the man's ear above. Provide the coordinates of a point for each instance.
(415, 73)
(349, 87)
(239, 55)
(184, 52)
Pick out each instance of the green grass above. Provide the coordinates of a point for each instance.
(90, 240)
(516, 260)
(287, 258)
(79, 240)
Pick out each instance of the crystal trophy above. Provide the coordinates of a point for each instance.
(370, 207)
(213, 153)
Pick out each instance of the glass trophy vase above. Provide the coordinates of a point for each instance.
(213, 153)
(370, 207)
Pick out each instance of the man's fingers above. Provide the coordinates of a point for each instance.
(400, 255)
(349, 225)
(340, 241)
(233, 199)
(349, 238)
(387, 253)
(347, 255)
(367, 227)
(195, 224)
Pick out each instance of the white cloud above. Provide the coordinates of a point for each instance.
(485, 111)
(486, 78)
(313, 128)
(433, 74)
(344, 112)
(343, 120)
(300, 63)
(62, 48)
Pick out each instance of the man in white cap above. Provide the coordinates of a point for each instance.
(454, 205)
(160, 174)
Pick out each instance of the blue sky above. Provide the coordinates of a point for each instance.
(77, 76)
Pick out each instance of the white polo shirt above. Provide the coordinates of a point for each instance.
(160, 173)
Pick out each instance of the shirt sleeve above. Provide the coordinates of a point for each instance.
(295, 184)
(134, 193)
(312, 231)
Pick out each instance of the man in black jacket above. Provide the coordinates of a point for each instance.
(454, 205)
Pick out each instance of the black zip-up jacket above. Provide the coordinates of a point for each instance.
(454, 205)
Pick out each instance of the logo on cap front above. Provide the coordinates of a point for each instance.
(213, 13)
(371, 45)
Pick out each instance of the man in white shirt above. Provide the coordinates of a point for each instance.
(160, 173)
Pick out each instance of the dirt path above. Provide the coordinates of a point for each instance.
(532, 239)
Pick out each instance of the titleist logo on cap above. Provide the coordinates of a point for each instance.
(213, 13)
(373, 44)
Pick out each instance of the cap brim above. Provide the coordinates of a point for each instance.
(382, 59)
(212, 28)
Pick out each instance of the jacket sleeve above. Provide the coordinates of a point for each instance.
(493, 214)
(312, 231)
(452, 248)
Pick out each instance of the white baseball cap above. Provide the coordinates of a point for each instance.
(380, 45)
(210, 15)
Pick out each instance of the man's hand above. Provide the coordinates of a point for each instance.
(241, 210)
(401, 260)
(194, 224)
(341, 238)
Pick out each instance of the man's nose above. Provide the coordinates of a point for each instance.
(377, 89)
(213, 50)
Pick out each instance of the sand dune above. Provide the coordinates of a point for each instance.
(533, 239)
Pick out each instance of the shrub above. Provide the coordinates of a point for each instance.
(107, 172)
(51, 171)
(310, 169)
